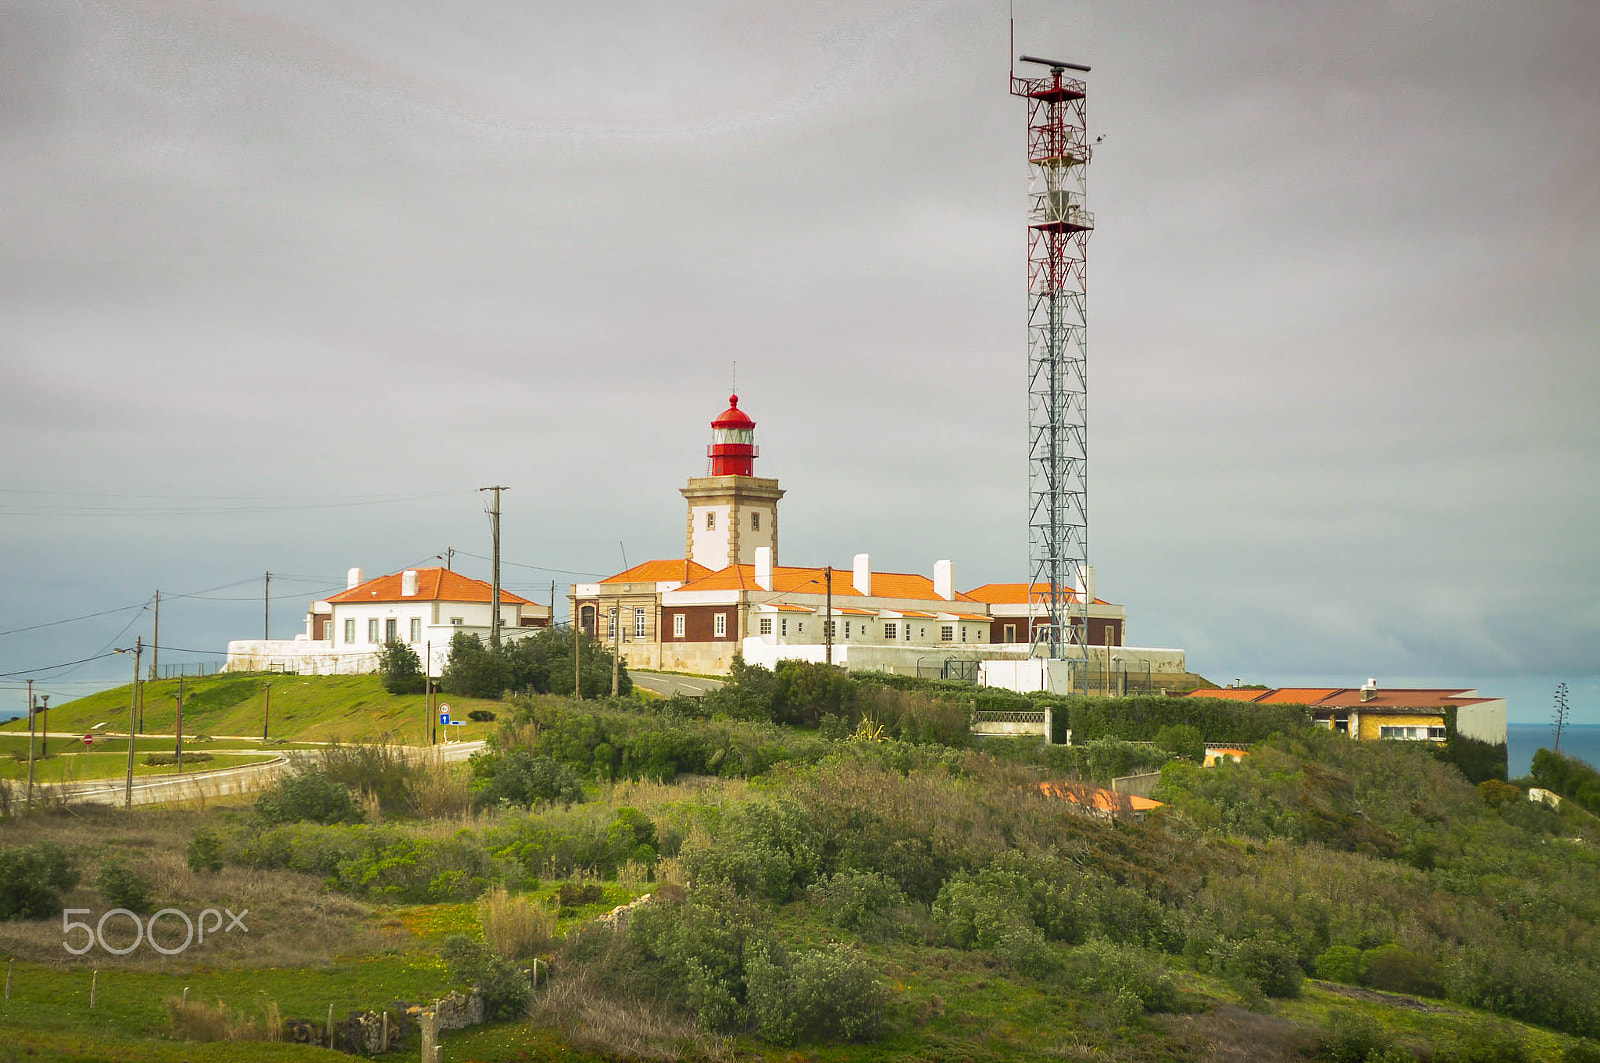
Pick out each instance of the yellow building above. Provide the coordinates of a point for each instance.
(1369, 714)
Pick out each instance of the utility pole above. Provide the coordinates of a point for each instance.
(427, 688)
(266, 713)
(155, 649)
(577, 656)
(133, 705)
(44, 727)
(616, 646)
(266, 608)
(30, 743)
(178, 748)
(449, 558)
(552, 603)
(827, 625)
(494, 606)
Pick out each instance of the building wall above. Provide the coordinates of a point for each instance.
(1023, 627)
(1370, 722)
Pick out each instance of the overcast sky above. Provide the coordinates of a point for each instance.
(283, 282)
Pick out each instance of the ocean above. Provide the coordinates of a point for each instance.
(1581, 740)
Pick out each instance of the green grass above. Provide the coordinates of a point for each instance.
(303, 708)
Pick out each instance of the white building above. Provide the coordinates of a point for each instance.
(421, 607)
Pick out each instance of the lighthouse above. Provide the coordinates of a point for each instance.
(732, 512)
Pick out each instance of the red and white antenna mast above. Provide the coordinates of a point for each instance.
(1058, 354)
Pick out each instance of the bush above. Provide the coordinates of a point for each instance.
(577, 894)
(520, 778)
(307, 795)
(32, 880)
(204, 852)
(1183, 740)
(513, 926)
(1352, 1038)
(857, 900)
(122, 886)
(814, 996)
(1340, 963)
(481, 716)
(165, 760)
(1395, 969)
(473, 670)
(1124, 973)
(1268, 966)
(1581, 1052)
(696, 952)
(379, 769)
(503, 984)
(400, 668)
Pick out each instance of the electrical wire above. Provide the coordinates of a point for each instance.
(53, 667)
(74, 619)
(518, 564)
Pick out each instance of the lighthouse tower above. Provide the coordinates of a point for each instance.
(732, 511)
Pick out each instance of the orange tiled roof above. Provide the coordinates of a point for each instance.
(1399, 699)
(789, 580)
(1230, 694)
(661, 572)
(433, 585)
(1019, 594)
(1101, 800)
(971, 616)
(856, 612)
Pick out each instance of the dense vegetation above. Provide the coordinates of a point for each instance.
(834, 860)
(540, 663)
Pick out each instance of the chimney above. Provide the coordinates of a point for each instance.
(408, 583)
(944, 580)
(352, 578)
(862, 580)
(1369, 690)
(764, 567)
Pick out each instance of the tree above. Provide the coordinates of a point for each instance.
(474, 670)
(400, 668)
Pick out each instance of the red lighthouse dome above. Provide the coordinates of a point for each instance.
(733, 442)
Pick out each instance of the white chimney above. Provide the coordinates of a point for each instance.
(352, 578)
(862, 580)
(764, 567)
(408, 583)
(1083, 583)
(944, 580)
(1369, 690)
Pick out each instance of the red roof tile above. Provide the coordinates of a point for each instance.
(1019, 594)
(788, 580)
(1230, 695)
(433, 585)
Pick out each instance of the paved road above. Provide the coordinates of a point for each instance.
(668, 685)
(196, 785)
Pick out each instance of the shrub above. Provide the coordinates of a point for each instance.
(696, 952)
(1351, 1037)
(1125, 974)
(481, 716)
(814, 996)
(32, 880)
(379, 769)
(513, 926)
(1268, 966)
(857, 900)
(503, 984)
(1399, 971)
(766, 850)
(1340, 963)
(307, 795)
(204, 852)
(400, 668)
(520, 778)
(1581, 1052)
(165, 760)
(577, 894)
(122, 886)
(1182, 739)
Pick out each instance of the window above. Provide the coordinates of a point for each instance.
(891, 630)
(847, 629)
(765, 625)
(611, 622)
(416, 629)
(372, 629)
(711, 521)
(963, 632)
(455, 621)
(719, 625)
(1406, 733)
(391, 629)
(755, 522)
(1011, 633)
(677, 625)
(638, 623)
(922, 633)
(833, 629)
(1436, 733)
(947, 633)
(349, 632)
(783, 627)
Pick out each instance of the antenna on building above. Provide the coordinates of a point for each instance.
(1058, 351)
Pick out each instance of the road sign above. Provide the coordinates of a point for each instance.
(88, 740)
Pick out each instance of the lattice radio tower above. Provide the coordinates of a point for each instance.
(1058, 352)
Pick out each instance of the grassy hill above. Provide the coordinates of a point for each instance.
(303, 708)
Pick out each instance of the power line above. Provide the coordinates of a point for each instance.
(75, 619)
(53, 667)
(537, 568)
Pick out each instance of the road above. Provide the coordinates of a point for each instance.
(202, 785)
(667, 685)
